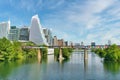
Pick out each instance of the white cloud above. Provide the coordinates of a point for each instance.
(83, 19)
(79, 20)
(86, 14)
(36, 5)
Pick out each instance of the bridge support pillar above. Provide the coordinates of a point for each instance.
(39, 55)
(60, 54)
(85, 54)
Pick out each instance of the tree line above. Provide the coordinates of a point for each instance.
(66, 52)
(112, 53)
(13, 50)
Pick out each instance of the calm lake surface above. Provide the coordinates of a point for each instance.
(49, 69)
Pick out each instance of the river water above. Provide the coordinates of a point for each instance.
(76, 68)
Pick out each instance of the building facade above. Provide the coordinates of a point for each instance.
(4, 29)
(24, 34)
(60, 42)
(55, 41)
(36, 32)
(66, 43)
(14, 33)
(48, 36)
(77, 45)
(93, 44)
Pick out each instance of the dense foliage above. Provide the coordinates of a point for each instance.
(113, 67)
(65, 52)
(13, 50)
(56, 52)
(112, 53)
(44, 50)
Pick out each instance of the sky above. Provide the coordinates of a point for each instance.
(72, 20)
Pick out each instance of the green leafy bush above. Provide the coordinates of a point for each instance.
(112, 53)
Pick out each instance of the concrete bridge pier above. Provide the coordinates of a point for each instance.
(39, 55)
(85, 65)
(85, 54)
(60, 53)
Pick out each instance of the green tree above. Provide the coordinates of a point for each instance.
(66, 53)
(56, 52)
(113, 53)
(5, 49)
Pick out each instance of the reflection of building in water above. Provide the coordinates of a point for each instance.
(85, 64)
(77, 58)
(50, 59)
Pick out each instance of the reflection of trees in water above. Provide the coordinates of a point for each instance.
(113, 67)
(7, 67)
(44, 59)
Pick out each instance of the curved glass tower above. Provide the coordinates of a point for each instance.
(36, 32)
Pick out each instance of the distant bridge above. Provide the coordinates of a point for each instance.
(37, 47)
(60, 50)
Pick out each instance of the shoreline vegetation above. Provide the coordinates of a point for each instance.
(112, 53)
(13, 50)
(66, 52)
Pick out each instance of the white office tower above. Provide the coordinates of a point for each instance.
(36, 32)
(4, 29)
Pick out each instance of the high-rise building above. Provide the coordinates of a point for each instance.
(93, 44)
(60, 42)
(71, 44)
(66, 43)
(36, 32)
(109, 42)
(48, 35)
(14, 33)
(55, 41)
(4, 29)
(77, 45)
(82, 45)
(24, 34)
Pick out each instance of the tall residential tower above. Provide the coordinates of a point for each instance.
(36, 32)
(4, 29)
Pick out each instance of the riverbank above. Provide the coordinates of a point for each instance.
(112, 53)
(12, 51)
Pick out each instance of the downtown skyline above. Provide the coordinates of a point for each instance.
(77, 21)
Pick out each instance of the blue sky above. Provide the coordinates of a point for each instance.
(73, 20)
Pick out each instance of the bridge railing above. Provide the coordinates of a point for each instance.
(44, 47)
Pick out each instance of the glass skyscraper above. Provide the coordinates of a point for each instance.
(48, 36)
(14, 33)
(24, 34)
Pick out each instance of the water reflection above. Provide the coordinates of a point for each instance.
(49, 68)
(112, 67)
(7, 67)
(85, 65)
